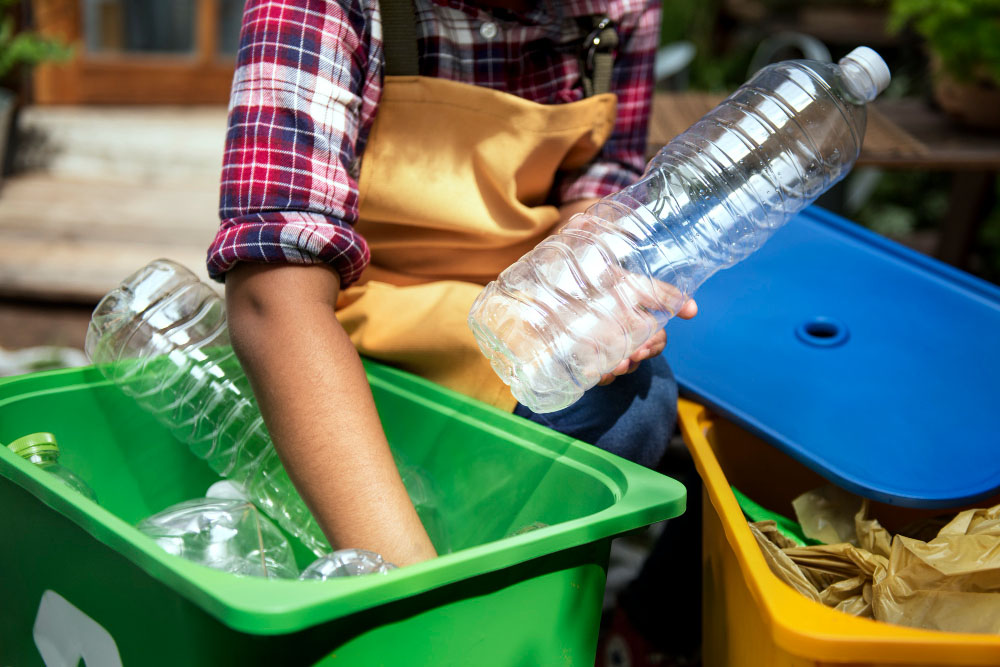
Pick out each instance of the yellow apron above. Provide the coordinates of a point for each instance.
(452, 190)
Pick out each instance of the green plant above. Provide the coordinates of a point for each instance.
(987, 250)
(22, 47)
(902, 202)
(963, 34)
(721, 61)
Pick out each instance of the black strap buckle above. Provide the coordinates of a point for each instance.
(602, 39)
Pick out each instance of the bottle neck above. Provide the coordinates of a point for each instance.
(858, 81)
(41, 458)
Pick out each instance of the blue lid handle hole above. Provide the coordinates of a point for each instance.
(822, 332)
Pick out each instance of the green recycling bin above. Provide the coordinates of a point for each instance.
(80, 582)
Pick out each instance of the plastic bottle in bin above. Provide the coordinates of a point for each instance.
(42, 449)
(224, 534)
(346, 563)
(161, 336)
(584, 299)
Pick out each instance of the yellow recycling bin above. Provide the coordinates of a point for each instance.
(750, 617)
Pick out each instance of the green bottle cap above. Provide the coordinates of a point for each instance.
(34, 443)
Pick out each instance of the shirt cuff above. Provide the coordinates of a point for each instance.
(288, 238)
(599, 179)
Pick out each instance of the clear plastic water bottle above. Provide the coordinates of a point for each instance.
(225, 534)
(161, 336)
(42, 449)
(346, 563)
(585, 299)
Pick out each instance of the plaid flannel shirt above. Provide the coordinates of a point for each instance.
(307, 86)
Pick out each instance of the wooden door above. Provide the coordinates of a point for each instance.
(139, 51)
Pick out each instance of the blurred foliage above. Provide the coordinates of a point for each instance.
(986, 259)
(782, 5)
(722, 56)
(23, 48)
(963, 34)
(904, 202)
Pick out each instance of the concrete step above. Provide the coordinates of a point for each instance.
(123, 144)
(73, 240)
(101, 191)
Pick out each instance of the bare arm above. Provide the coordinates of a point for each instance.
(318, 407)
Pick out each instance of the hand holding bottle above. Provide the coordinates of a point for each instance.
(585, 300)
(651, 348)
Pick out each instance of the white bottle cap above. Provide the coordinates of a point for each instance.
(226, 490)
(872, 63)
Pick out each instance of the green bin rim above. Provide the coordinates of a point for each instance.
(267, 607)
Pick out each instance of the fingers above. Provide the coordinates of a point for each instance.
(651, 348)
(688, 310)
(623, 368)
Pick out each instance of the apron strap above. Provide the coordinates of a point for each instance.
(597, 57)
(399, 43)
(399, 37)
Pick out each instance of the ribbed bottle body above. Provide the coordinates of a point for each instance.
(162, 338)
(586, 298)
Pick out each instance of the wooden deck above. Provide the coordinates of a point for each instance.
(887, 143)
(108, 191)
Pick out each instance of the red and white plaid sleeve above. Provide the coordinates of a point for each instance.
(305, 90)
(623, 157)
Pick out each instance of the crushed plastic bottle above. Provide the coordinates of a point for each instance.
(42, 449)
(223, 534)
(585, 299)
(346, 563)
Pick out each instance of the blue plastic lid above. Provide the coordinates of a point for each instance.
(877, 367)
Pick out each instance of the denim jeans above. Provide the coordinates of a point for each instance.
(632, 417)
